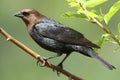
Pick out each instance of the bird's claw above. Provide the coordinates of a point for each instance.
(59, 66)
(44, 62)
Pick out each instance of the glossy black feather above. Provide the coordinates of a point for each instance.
(54, 30)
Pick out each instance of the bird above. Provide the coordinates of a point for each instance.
(58, 38)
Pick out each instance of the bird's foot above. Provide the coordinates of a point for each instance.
(44, 62)
(59, 66)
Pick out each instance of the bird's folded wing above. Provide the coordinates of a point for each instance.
(65, 35)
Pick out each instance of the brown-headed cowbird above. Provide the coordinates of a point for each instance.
(54, 36)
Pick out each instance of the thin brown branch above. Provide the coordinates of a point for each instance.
(94, 20)
(100, 25)
(106, 30)
(37, 56)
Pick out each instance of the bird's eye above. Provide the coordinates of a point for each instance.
(26, 13)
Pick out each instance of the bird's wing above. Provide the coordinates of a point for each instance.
(63, 34)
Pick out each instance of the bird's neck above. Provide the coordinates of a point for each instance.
(33, 22)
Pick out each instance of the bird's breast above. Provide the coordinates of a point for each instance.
(45, 42)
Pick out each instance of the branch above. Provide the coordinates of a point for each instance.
(94, 20)
(37, 56)
(106, 30)
(100, 25)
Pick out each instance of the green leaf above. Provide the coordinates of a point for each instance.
(72, 14)
(88, 13)
(74, 3)
(94, 11)
(112, 11)
(119, 27)
(87, 3)
(93, 3)
(82, 1)
(104, 38)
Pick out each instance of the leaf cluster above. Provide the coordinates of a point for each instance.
(86, 9)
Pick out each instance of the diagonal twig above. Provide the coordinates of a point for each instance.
(37, 56)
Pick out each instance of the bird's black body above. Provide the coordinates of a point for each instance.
(56, 37)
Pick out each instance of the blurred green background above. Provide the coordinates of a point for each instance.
(15, 64)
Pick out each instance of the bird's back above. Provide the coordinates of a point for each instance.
(57, 31)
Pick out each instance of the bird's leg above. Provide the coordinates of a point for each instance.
(60, 64)
(47, 58)
(51, 57)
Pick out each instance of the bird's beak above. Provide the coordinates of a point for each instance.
(19, 14)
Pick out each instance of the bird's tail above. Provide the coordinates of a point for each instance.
(97, 57)
(91, 53)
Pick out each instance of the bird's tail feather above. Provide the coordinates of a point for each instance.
(97, 57)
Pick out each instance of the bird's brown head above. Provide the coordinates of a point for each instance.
(30, 16)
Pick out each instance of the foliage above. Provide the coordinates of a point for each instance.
(86, 9)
